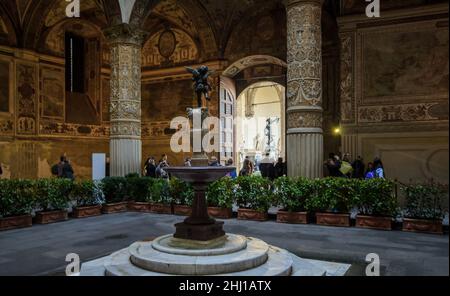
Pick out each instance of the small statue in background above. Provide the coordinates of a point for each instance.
(201, 85)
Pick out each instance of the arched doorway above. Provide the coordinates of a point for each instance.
(252, 109)
(260, 122)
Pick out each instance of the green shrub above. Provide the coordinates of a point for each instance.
(86, 193)
(53, 194)
(16, 198)
(114, 189)
(138, 189)
(253, 193)
(375, 197)
(160, 192)
(291, 194)
(332, 195)
(220, 193)
(181, 192)
(424, 201)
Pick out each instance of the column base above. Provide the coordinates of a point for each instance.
(305, 155)
(199, 232)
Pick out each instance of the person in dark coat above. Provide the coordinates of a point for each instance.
(358, 168)
(150, 168)
(280, 168)
(1, 170)
(67, 171)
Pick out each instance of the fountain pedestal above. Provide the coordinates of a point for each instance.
(199, 226)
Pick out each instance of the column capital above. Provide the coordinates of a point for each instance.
(125, 33)
(290, 3)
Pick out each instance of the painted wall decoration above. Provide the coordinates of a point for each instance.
(169, 47)
(26, 97)
(52, 93)
(411, 63)
(4, 85)
(166, 100)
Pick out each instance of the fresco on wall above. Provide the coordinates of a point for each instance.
(4, 86)
(406, 63)
(166, 100)
(52, 93)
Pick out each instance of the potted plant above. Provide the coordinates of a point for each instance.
(52, 197)
(182, 195)
(115, 194)
(253, 196)
(220, 198)
(291, 196)
(332, 201)
(16, 203)
(138, 192)
(376, 203)
(88, 199)
(424, 211)
(159, 197)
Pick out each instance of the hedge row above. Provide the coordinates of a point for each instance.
(371, 197)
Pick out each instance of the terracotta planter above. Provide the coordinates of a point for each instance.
(51, 217)
(182, 210)
(332, 219)
(15, 222)
(292, 217)
(161, 209)
(112, 208)
(420, 225)
(247, 214)
(141, 207)
(83, 212)
(220, 213)
(373, 222)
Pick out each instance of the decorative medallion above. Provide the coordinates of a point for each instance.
(265, 28)
(167, 43)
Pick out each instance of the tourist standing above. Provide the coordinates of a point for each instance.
(280, 168)
(187, 162)
(67, 170)
(1, 170)
(214, 162)
(333, 165)
(246, 168)
(379, 168)
(266, 167)
(233, 174)
(358, 168)
(150, 168)
(370, 172)
(160, 172)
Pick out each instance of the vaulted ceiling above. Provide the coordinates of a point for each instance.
(209, 22)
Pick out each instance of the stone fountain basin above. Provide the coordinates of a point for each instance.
(199, 174)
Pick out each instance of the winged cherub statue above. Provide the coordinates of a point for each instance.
(201, 85)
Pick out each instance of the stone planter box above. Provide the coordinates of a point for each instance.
(141, 207)
(332, 219)
(84, 212)
(16, 222)
(373, 222)
(292, 217)
(182, 210)
(51, 217)
(420, 225)
(161, 209)
(220, 213)
(247, 214)
(112, 208)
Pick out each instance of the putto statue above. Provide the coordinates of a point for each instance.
(201, 85)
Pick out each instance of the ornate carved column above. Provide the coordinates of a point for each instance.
(125, 142)
(304, 88)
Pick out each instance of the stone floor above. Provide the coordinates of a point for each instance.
(41, 250)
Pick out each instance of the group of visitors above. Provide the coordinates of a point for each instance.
(267, 168)
(356, 169)
(156, 170)
(63, 169)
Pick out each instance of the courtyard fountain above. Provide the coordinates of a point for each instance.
(200, 245)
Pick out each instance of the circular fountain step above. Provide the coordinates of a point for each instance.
(143, 255)
(279, 263)
(234, 243)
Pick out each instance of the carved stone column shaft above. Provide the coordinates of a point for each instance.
(125, 107)
(304, 88)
